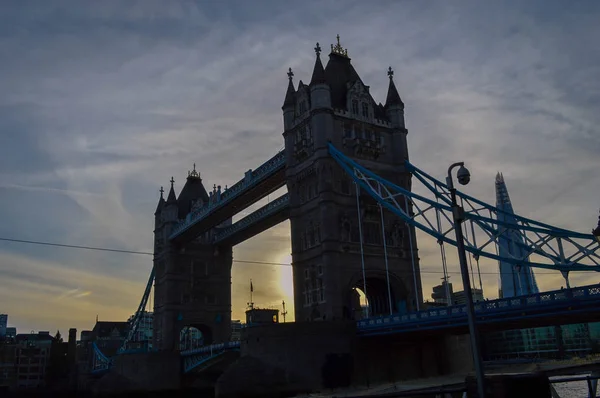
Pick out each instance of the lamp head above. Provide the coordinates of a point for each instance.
(463, 175)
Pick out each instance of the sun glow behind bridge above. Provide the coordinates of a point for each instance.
(286, 284)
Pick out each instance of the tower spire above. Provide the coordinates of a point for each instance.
(172, 198)
(291, 91)
(393, 98)
(318, 75)
(161, 201)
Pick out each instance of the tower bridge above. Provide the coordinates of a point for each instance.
(353, 219)
(194, 233)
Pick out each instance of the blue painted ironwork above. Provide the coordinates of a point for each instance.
(542, 304)
(250, 180)
(256, 216)
(139, 314)
(544, 246)
(196, 357)
(100, 362)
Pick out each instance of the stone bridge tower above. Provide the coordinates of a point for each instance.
(337, 107)
(193, 280)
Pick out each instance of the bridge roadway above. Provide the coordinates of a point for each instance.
(255, 185)
(558, 307)
(258, 221)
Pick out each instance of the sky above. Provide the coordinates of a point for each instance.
(102, 102)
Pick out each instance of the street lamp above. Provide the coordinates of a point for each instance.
(458, 215)
(596, 232)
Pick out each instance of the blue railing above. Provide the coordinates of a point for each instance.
(211, 348)
(250, 180)
(196, 357)
(260, 214)
(443, 316)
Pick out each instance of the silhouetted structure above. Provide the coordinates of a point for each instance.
(515, 280)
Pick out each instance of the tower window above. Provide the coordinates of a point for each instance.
(347, 131)
(302, 106)
(365, 110)
(372, 233)
(320, 290)
(355, 107)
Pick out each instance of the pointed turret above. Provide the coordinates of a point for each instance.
(161, 202)
(172, 198)
(193, 193)
(394, 107)
(289, 103)
(290, 94)
(320, 92)
(318, 75)
(393, 98)
(169, 211)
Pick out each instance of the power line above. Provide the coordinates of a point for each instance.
(33, 242)
(104, 249)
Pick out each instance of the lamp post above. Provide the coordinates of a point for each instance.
(458, 215)
(596, 232)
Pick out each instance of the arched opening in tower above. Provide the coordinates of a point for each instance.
(194, 336)
(376, 300)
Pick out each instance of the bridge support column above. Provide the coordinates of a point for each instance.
(593, 385)
(193, 289)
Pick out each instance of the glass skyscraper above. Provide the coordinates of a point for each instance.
(544, 342)
(515, 279)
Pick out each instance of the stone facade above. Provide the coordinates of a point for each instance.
(193, 280)
(337, 107)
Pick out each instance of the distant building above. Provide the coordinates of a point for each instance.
(11, 332)
(515, 279)
(8, 369)
(236, 330)
(261, 316)
(3, 324)
(442, 292)
(31, 359)
(459, 298)
(86, 335)
(84, 355)
(109, 336)
(145, 329)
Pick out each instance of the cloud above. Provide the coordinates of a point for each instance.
(103, 103)
(48, 295)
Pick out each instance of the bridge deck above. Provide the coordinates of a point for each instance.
(262, 219)
(254, 186)
(560, 307)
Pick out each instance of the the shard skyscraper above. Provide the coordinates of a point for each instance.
(515, 280)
